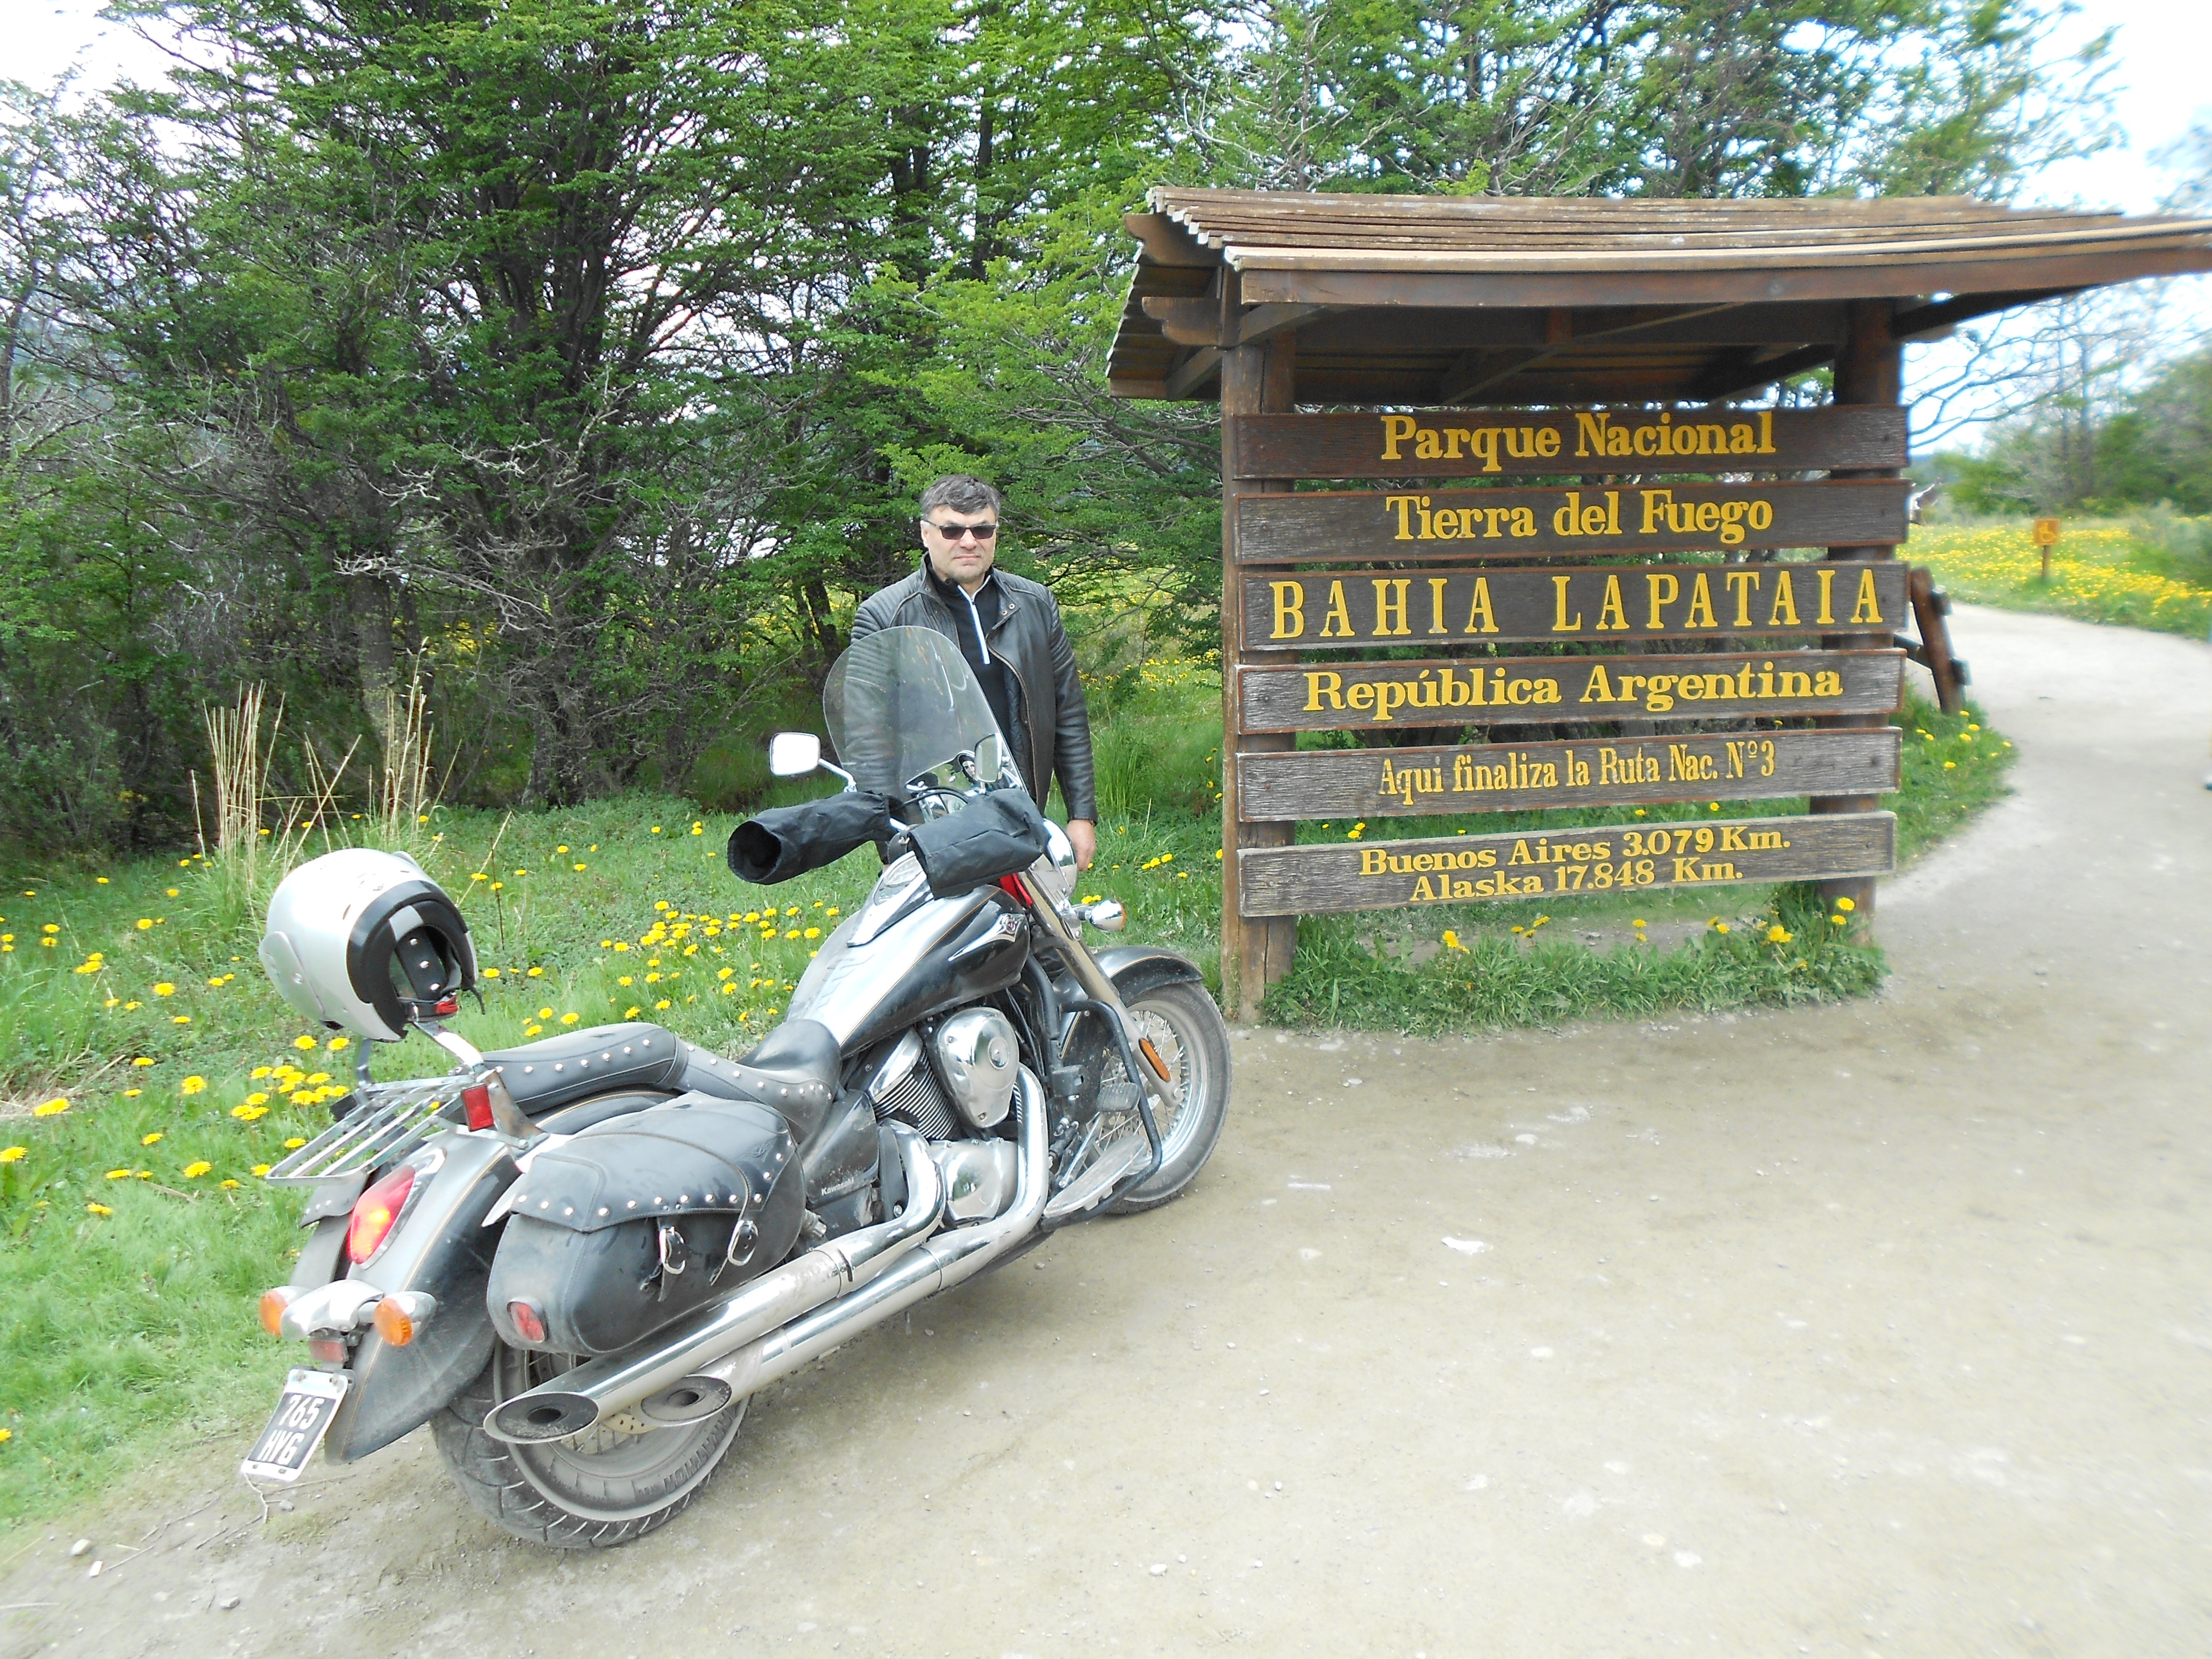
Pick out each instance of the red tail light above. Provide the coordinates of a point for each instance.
(376, 1211)
(475, 1101)
(529, 1323)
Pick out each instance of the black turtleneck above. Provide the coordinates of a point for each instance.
(973, 622)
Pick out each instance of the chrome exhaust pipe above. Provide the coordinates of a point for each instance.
(574, 1400)
(938, 1264)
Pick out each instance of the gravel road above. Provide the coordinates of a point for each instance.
(1869, 1330)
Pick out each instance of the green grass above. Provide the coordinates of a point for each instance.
(126, 1335)
(2152, 571)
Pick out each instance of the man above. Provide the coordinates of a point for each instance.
(1008, 628)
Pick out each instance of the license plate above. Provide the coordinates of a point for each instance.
(297, 1426)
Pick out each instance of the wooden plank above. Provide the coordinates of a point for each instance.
(1590, 521)
(1838, 274)
(1516, 690)
(1382, 875)
(1202, 366)
(1512, 777)
(1329, 611)
(1491, 442)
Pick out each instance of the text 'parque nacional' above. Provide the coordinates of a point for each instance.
(1492, 442)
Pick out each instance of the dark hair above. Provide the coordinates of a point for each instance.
(961, 493)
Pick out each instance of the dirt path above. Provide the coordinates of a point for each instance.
(1881, 1329)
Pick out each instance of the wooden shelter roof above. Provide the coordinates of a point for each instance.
(1445, 300)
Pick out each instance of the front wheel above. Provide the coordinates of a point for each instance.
(1187, 1031)
(610, 1485)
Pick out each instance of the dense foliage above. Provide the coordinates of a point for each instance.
(580, 357)
(2079, 453)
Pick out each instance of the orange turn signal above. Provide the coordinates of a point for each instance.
(402, 1314)
(273, 1305)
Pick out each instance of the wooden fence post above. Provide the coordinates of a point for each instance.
(1869, 369)
(1256, 379)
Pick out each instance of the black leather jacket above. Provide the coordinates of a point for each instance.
(1053, 721)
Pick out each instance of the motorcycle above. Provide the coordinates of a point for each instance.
(578, 1260)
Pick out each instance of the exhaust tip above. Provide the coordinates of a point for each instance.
(529, 1418)
(688, 1399)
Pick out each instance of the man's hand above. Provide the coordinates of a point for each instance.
(1084, 836)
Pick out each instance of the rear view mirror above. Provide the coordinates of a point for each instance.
(791, 754)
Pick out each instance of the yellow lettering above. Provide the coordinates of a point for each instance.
(1337, 625)
(1289, 611)
(1665, 590)
(1869, 608)
(1561, 625)
(1479, 620)
(1701, 603)
(1784, 613)
(1404, 504)
(1396, 429)
(1323, 684)
(1390, 606)
(1613, 616)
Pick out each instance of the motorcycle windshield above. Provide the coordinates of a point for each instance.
(903, 704)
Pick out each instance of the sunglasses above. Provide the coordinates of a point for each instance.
(953, 532)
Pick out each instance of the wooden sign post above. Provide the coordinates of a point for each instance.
(2046, 538)
(1545, 541)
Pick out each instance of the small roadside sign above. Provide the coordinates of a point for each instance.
(2046, 538)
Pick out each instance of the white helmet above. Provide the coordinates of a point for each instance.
(363, 941)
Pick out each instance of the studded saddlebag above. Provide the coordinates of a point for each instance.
(642, 1218)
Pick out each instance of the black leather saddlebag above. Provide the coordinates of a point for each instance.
(642, 1218)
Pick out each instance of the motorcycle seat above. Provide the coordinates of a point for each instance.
(559, 1071)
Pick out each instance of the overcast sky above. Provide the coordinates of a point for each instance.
(2161, 50)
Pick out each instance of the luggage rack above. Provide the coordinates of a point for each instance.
(392, 1118)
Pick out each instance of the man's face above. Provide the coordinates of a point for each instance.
(961, 559)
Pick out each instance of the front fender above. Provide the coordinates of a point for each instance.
(1137, 969)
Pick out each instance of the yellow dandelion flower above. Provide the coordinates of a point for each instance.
(118, 1175)
(568, 1019)
(149, 1140)
(165, 989)
(663, 1003)
(532, 1030)
(261, 1169)
(229, 1184)
(1846, 905)
(295, 1144)
(338, 1045)
(192, 1086)
(535, 973)
(98, 1209)
(631, 1012)
(196, 1168)
(544, 1013)
(303, 1043)
(50, 1109)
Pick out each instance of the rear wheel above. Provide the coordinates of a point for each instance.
(1188, 1033)
(613, 1483)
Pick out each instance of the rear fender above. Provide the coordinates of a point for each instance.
(444, 1249)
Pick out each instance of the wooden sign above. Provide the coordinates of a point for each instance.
(1519, 524)
(1512, 691)
(1461, 443)
(1291, 881)
(2046, 532)
(1338, 610)
(1364, 783)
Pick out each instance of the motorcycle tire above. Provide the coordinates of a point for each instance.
(1191, 1038)
(604, 1488)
